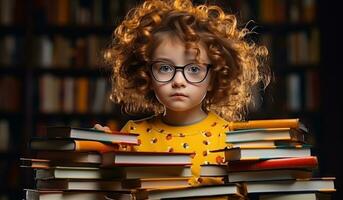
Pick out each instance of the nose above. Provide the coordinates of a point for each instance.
(178, 80)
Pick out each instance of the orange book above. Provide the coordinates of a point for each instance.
(266, 123)
(71, 145)
(82, 95)
(83, 145)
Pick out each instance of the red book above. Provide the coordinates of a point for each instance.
(308, 162)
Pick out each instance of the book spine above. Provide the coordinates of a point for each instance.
(94, 146)
(303, 162)
(272, 123)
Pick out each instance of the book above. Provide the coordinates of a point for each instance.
(164, 171)
(265, 143)
(148, 183)
(268, 123)
(249, 135)
(61, 172)
(127, 195)
(119, 158)
(325, 184)
(213, 170)
(255, 153)
(260, 175)
(309, 162)
(31, 194)
(88, 185)
(127, 172)
(70, 157)
(267, 175)
(297, 196)
(196, 191)
(34, 163)
(92, 134)
(44, 144)
(227, 191)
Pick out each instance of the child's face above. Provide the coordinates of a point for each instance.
(179, 94)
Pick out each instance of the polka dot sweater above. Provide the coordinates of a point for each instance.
(199, 138)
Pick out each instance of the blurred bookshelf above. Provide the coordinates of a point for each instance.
(291, 32)
(51, 73)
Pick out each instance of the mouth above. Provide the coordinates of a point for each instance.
(178, 95)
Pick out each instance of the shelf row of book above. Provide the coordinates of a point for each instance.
(277, 11)
(74, 95)
(295, 92)
(54, 51)
(62, 12)
(294, 48)
(298, 92)
(269, 159)
(101, 12)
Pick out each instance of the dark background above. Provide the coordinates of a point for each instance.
(27, 120)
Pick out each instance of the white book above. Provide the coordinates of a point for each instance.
(46, 52)
(68, 95)
(267, 175)
(62, 195)
(297, 196)
(46, 87)
(300, 185)
(294, 92)
(100, 95)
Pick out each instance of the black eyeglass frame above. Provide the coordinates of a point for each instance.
(182, 69)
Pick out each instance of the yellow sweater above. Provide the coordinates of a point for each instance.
(200, 138)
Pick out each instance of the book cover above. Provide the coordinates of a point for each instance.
(71, 145)
(309, 162)
(256, 153)
(266, 123)
(92, 134)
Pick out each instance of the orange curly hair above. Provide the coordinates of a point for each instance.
(237, 63)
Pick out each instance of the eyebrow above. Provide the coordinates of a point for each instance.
(169, 60)
(164, 59)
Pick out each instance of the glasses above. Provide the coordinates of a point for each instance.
(193, 73)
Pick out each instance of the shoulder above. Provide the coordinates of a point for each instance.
(218, 120)
(133, 125)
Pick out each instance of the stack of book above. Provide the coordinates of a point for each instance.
(272, 159)
(78, 163)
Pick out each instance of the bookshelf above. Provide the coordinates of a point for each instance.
(56, 44)
(51, 74)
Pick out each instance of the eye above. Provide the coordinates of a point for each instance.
(193, 69)
(165, 68)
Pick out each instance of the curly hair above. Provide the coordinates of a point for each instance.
(238, 64)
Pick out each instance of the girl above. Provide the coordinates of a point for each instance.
(192, 67)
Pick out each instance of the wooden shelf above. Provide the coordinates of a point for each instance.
(84, 71)
(76, 115)
(12, 29)
(74, 30)
(282, 28)
(13, 70)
